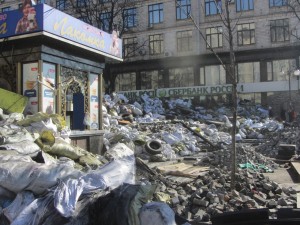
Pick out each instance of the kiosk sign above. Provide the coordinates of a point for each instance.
(57, 24)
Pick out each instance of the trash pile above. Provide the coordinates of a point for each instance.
(164, 163)
(186, 132)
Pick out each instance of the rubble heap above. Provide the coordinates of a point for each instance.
(42, 172)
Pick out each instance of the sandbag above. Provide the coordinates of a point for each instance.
(57, 122)
(25, 147)
(63, 149)
(18, 134)
(35, 177)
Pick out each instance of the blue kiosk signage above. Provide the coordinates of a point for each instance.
(49, 21)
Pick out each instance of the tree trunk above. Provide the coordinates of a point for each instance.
(233, 78)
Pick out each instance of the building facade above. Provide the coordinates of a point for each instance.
(166, 50)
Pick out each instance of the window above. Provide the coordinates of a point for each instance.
(130, 18)
(278, 69)
(61, 4)
(183, 9)
(81, 3)
(214, 75)
(152, 79)
(5, 9)
(181, 77)
(214, 37)
(246, 33)
(184, 41)
(279, 30)
(276, 3)
(213, 7)
(244, 5)
(20, 6)
(125, 82)
(130, 45)
(156, 14)
(105, 20)
(248, 72)
(156, 44)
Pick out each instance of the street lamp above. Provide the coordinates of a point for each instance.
(295, 73)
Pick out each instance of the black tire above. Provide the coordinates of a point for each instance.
(153, 147)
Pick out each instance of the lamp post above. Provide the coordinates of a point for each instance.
(291, 107)
(297, 74)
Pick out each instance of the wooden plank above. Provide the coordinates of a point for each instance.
(182, 170)
(174, 167)
(196, 170)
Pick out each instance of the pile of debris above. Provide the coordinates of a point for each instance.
(204, 136)
(168, 161)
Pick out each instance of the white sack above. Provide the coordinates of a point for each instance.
(23, 147)
(9, 135)
(32, 176)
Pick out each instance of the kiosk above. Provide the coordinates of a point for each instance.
(57, 62)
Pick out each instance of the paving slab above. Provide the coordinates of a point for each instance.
(285, 177)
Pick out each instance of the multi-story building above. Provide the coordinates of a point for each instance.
(166, 50)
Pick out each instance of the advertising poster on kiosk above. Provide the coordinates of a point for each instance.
(94, 102)
(25, 20)
(30, 87)
(48, 88)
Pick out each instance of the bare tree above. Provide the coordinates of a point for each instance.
(294, 7)
(109, 16)
(229, 24)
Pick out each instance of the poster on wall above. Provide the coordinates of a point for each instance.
(48, 85)
(27, 19)
(94, 102)
(30, 87)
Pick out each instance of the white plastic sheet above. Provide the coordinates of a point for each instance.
(120, 170)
